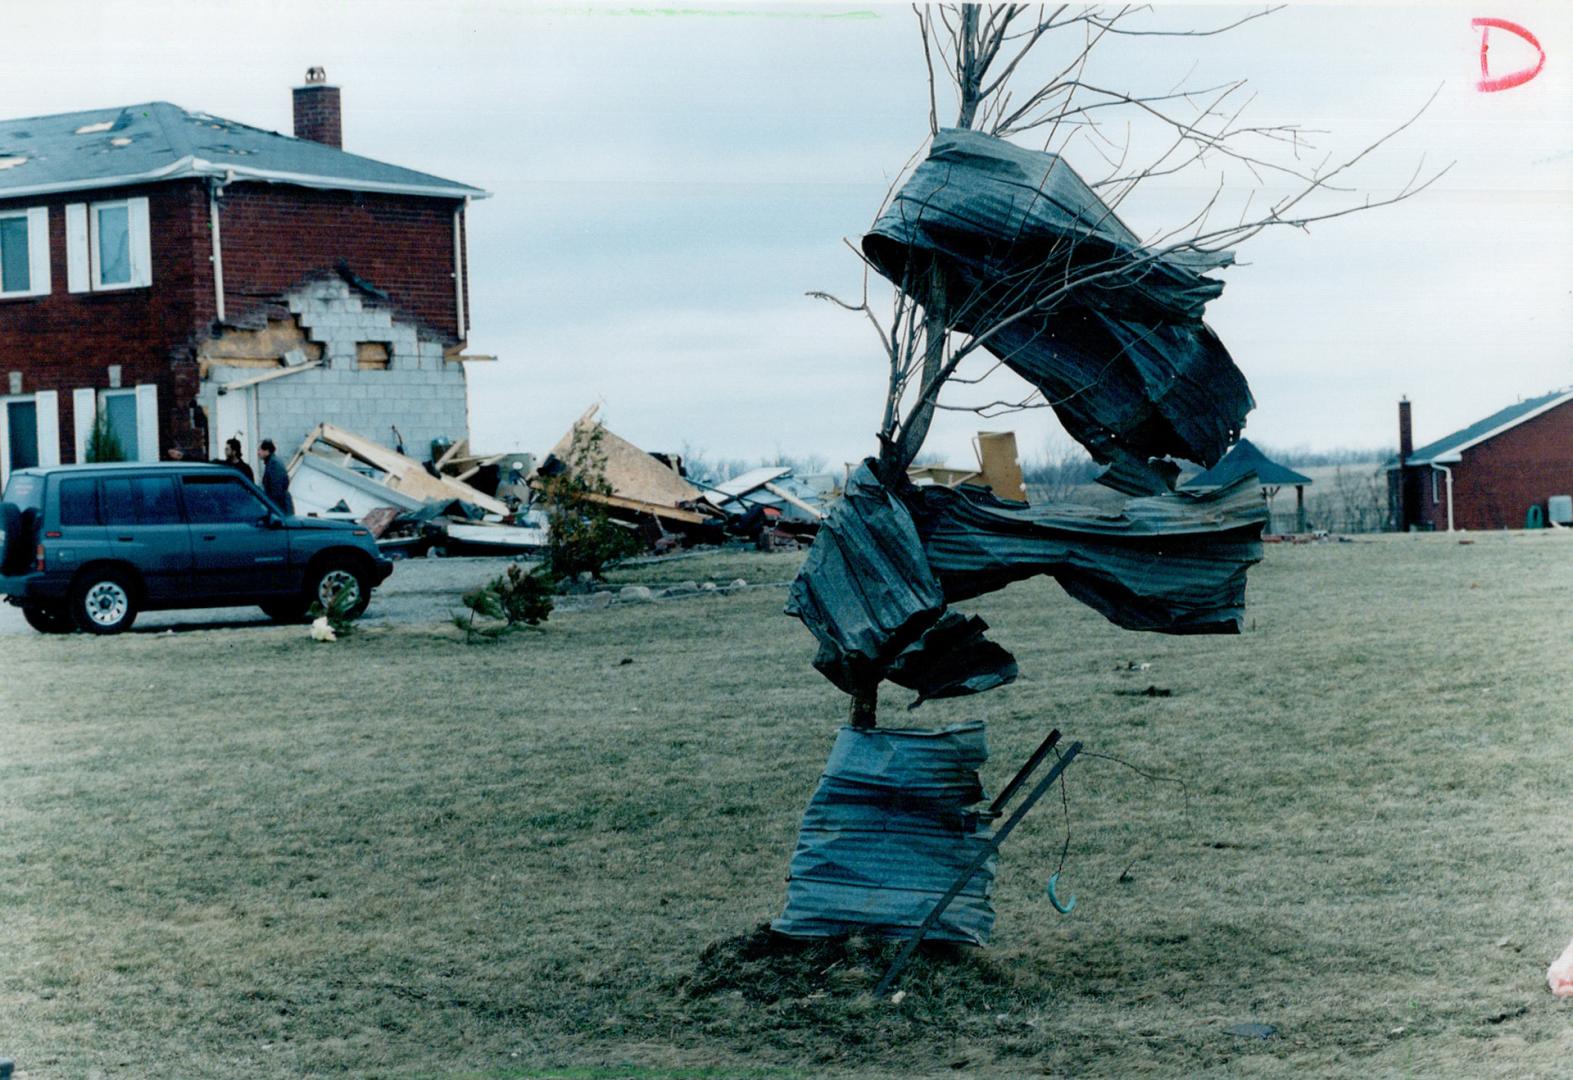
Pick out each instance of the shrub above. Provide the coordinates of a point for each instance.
(515, 599)
(102, 443)
(584, 538)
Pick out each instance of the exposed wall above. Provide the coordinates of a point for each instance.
(419, 392)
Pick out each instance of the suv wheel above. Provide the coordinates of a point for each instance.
(331, 579)
(103, 603)
(48, 618)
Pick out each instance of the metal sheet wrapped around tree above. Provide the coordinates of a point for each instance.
(888, 832)
(1069, 298)
(876, 584)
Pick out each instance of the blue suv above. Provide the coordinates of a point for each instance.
(87, 547)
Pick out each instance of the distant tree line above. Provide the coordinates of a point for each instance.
(1303, 457)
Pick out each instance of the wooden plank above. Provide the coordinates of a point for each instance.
(786, 496)
(670, 513)
(999, 464)
(632, 473)
(404, 474)
(457, 450)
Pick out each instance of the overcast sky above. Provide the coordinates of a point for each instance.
(668, 182)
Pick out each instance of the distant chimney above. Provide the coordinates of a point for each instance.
(1405, 494)
(317, 114)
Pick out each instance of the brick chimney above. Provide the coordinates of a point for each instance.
(317, 114)
(1406, 492)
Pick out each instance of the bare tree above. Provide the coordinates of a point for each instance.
(981, 52)
(1021, 73)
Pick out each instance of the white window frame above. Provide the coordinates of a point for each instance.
(101, 406)
(37, 218)
(82, 254)
(46, 410)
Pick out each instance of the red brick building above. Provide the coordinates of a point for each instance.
(160, 266)
(1488, 475)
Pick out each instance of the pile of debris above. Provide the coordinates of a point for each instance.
(411, 507)
(459, 502)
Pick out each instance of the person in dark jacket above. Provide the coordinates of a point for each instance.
(234, 460)
(275, 478)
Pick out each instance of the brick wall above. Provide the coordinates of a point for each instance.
(1499, 480)
(66, 341)
(273, 237)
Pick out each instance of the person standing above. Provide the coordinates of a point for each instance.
(233, 458)
(275, 478)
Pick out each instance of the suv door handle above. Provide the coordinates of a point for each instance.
(209, 536)
(124, 539)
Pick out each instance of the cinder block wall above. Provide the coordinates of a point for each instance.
(420, 393)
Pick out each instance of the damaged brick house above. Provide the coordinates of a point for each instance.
(194, 279)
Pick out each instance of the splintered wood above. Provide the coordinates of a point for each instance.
(398, 473)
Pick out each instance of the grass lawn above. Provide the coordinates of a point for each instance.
(237, 853)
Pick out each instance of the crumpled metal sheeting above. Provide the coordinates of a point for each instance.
(887, 833)
(1001, 211)
(952, 659)
(1128, 390)
(1173, 563)
(1123, 357)
(865, 589)
(938, 767)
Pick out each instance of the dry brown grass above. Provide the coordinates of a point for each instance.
(239, 854)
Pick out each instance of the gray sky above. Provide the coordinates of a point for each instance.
(669, 181)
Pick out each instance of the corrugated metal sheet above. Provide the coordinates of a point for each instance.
(1122, 354)
(1172, 563)
(876, 583)
(887, 833)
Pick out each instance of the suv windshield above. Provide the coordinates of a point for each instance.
(26, 492)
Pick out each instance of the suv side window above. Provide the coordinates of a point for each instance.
(140, 500)
(212, 499)
(79, 502)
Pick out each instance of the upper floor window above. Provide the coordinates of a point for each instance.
(111, 245)
(107, 245)
(24, 252)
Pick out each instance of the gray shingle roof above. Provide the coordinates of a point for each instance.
(158, 141)
(1448, 448)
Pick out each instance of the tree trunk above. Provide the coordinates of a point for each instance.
(865, 702)
(916, 428)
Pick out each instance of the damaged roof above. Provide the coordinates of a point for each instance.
(156, 141)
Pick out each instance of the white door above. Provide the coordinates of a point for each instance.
(233, 421)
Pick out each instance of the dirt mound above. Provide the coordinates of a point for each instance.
(766, 967)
